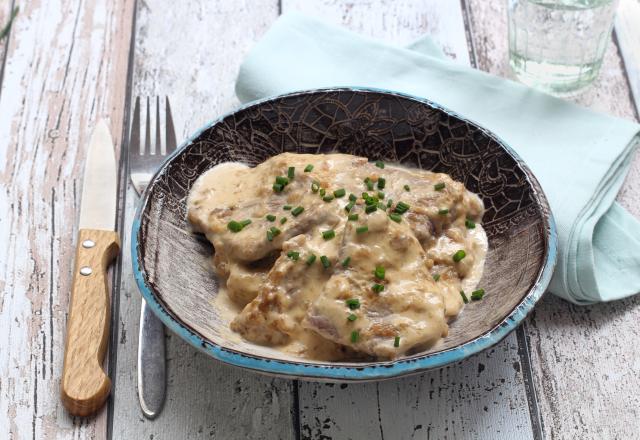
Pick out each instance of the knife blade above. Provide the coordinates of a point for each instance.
(85, 386)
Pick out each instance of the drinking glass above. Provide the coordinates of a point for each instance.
(558, 45)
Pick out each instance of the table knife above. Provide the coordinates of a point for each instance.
(85, 385)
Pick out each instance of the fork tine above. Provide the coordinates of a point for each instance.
(158, 139)
(170, 140)
(134, 139)
(147, 130)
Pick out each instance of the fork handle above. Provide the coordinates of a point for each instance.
(151, 363)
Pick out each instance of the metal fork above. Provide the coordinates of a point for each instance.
(143, 163)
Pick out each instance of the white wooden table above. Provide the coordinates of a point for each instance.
(568, 372)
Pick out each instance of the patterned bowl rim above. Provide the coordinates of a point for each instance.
(352, 372)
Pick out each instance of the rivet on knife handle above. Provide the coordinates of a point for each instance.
(85, 385)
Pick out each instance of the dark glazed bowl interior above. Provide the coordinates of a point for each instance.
(172, 265)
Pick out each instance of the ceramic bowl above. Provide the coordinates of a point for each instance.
(172, 264)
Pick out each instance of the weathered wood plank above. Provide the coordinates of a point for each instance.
(65, 68)
(5, 13)
(482, 397)
(584, 359)
(205, 399)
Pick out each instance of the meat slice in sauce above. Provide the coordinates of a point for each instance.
(410, 306)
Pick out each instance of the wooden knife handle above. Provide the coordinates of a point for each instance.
(85, 385)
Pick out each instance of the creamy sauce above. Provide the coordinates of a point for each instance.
(275, 296)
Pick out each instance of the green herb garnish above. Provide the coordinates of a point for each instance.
(353, 303)
(380, 164)
(370, 208)
(271, 217)
(291, 172)
(443, 211)
(308, 168)
(339, 193)
(381, 182)
(287, 207)
(381, 195)
(470, 224)
(362, 229)
(395, 217)
(379, 272)
(352, 197)
(329, 234)
(277, 187)
(459, 255)
(396, 341)
(439, 186)
(352, 317)
(436, 277)
(328, 198)
(325, 262)
(352, 217)
(234, 226)
(293, 255)
(477, 295)
(407, 188)
(315, 186)
(283, 220)
(377, 287)
(297, 211)
(355, 335)
(349, 206)
(464, 297)
(401, 207)
(281, 180)
(311, 259)
(346, 262)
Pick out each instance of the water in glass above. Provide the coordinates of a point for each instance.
(558, 45)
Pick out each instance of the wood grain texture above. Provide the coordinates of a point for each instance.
(197, 69)
(85, 385)
(584, 359)
(5, 14)
(65, 69)
(482, 397)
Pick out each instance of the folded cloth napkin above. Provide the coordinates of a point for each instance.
(580, 157)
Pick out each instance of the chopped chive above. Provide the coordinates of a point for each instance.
(297, 211)
(459, 255)
(322, 192)
(381, 182)
(246, 222)
(293, 255)
(371, 201)
(477, 295)
(282, 180)
(349, 206)
(380, 164)
(291, 172)
(377, 287)
(339, 193)
(328, 198)
(436, 277)
(382, 206)
(275, 231)
(329, 234)
(352, 317)
(396, 341)
(395, 217)
(401, 207)
(365, 195)
(407, 188)
(315, 186)
(470, 224)
(379, 272)
(355, 335)
(270, 235)
(353, 303)
(352, 197)
(389, 203)
(235, 226)
(283, 220)
(439, 186)
(271, 217)
(352, 217)
(277, 187)
(311, 259)
(370, 208)
(287, 207)
(308, 168)
(325, 262)
(443, 211)
(369, 184)
(464, 297)
(380, 195)
(362, 229)
(346, 262)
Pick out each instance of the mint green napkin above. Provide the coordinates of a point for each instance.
(579, 156)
